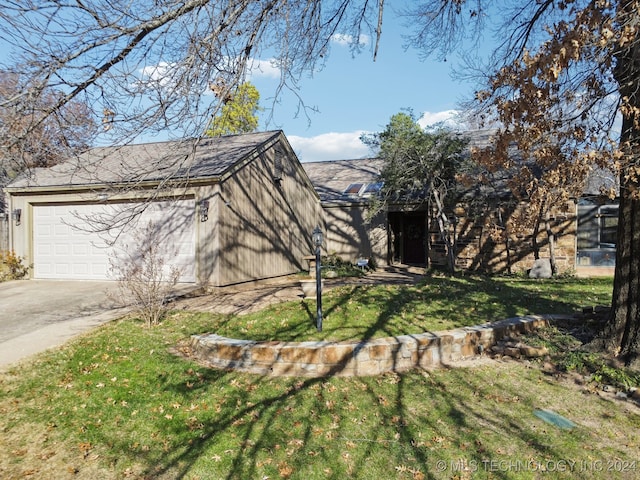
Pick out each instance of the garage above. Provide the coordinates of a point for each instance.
(68, 243)
(223, 210)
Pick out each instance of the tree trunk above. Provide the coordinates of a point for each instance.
(427, 235)
(445, 233)
(507, 237)
(536, 231)
(621, 335)
(552, 244)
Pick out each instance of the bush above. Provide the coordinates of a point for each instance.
(12, 266)
(342, 268)
(144, 281)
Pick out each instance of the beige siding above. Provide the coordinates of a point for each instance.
(265, 225)
(208, 236)
(350, 236)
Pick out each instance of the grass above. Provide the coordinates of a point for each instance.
(116, 403)
(439, 303)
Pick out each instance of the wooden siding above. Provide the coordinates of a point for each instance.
(4, 231)
(350, 236)
(265, 224)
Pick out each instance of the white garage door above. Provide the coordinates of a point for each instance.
(66, 246)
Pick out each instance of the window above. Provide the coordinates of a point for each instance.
(597, 234)
(363, 189)
(373, 188)
(354, 189)
(608, 216)
(278, 168)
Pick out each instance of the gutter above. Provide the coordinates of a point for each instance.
(148, 185)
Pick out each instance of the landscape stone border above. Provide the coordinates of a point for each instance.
(360, 358)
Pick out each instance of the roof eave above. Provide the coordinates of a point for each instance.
(149, 184)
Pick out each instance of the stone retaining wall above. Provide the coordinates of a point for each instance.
(372, 357)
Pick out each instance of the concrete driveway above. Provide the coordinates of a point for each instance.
(39, 314)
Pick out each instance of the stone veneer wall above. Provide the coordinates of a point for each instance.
(372, 357)
(477, 250)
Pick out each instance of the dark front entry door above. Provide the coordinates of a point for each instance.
(413, 239)
(408, 237)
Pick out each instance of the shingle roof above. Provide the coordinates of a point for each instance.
(332, 178)
(150, 162)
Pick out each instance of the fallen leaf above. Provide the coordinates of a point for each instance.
(285, 470)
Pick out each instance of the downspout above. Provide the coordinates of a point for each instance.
(10, 222)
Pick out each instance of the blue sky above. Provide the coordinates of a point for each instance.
(356, 94)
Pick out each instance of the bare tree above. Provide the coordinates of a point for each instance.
(30, 135)
(148, 66)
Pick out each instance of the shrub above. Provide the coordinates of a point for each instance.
(342, 268)
(144, 280)
(12, 266)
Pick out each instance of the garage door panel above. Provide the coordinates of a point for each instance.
(64, 246)
(80, 269)
(61, 269)
(81, 250)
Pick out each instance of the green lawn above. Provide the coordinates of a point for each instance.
(438, 303)
(116, 403)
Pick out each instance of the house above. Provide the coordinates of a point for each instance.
(223, 210)
(406, 233)
(238, 208)
(346, 187)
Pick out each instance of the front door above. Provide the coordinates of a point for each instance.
(408, 237)
(414, 247)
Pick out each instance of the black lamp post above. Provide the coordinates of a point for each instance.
(317, 241)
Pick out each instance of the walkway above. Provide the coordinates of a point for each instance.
(254, 296)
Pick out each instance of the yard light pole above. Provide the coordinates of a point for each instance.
(317, 238)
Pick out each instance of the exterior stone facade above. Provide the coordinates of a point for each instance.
(480, 249)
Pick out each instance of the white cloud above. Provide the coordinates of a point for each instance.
(345, 40)
(329, 146)
(450, 118)
(157, 73)
(161, 75)
(264, 68)
(347, 145)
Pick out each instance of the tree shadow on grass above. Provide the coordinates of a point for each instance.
(377, 427)
(442, 303)
(232, 425)
(360, 312)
